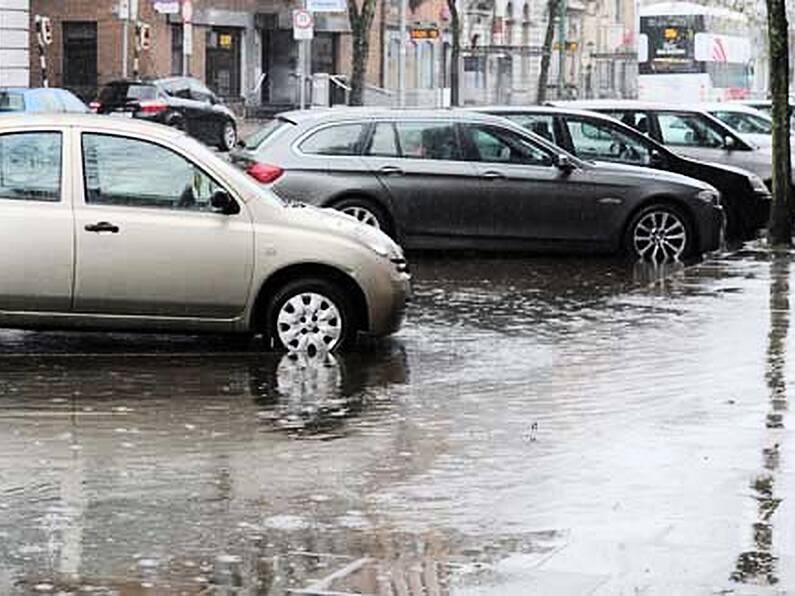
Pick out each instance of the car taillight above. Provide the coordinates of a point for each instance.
(94, 106)
(262, 172)
(152, 107)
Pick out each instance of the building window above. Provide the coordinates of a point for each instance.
(177, 58)
(80, 57)
(223, 61)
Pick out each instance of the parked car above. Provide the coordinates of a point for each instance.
(455, 179)
(594, 136)
(125, 225)
(751, 124)
(686, 131)
(181, 102)
(52, 100)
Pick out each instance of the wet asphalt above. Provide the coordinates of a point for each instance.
(539, 426)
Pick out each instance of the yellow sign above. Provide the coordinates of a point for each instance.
(671, 33)
(424, 33)
(225, 41)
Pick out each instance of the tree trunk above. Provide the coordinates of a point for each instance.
(553, 7)
(780, 226)
(361, 21)
(455, 54)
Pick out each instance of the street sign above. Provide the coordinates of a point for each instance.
(166, 6)
(187, 39)
(124, 10)
(326, 5)
(424, 33)
(303, 25)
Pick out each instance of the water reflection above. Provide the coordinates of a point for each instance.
(758, 565)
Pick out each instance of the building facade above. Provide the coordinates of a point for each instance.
(14, 42)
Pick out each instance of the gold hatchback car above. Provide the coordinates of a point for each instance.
(114, 224)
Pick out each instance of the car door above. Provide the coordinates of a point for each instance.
(208, 118)
(597, 140)
(433, 189)
(527, 196)
(36, 223)
(148, 241)
(696, 136)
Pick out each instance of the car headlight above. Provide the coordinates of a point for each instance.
(757, 184)
(378, 242)
(710, 196)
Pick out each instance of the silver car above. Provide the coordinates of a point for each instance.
(116, 224)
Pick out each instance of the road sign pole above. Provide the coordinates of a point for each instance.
(402, 55)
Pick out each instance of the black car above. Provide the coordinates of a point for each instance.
(454, 179)
(597, 137)
(180, 102)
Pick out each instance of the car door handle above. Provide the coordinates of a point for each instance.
(492, 175)
(391, 171)
(102, 226)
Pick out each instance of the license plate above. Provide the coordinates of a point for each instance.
(122, 114)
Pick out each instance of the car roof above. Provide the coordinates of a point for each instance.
(727, 106)
(30, 89)
(21, 120)
(624, 104)
(549, 109)
(342, 113)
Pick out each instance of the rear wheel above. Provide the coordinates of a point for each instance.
(228, 138)
(365, 211)
(659, 234)
(312, 316)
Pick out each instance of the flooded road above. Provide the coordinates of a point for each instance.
(539, 426)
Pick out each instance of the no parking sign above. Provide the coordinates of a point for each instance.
(303, 25)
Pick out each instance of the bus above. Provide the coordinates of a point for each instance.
(693, 53)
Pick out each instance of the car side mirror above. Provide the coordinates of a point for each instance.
(221, 202)
(729, 143)
(656, 159)
(563, 162)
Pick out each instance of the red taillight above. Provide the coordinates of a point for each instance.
(262, 172)
(152, 107)
(94, 106)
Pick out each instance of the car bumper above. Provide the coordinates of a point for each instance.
(760, 210)
(710, 226)
(387, 303)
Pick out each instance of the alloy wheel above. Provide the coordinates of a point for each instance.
(230, 136)
(363, 214)
(309, 322)
(660, 236)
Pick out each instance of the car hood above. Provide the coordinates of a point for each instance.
(644, 173)
(720, 166)
(330, 220)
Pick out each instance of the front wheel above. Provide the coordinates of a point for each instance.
(659, 234)
(312, 316)
(228, 138)
(366, 212)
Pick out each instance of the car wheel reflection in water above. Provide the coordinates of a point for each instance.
(316, 392)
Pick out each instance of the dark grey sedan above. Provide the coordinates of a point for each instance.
(459, 180)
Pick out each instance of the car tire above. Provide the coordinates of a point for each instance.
(228, 138)
(659, 233)
(312, 315)
(367, 212)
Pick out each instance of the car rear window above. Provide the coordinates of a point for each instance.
(270, 128)
(11, 102)
(118, 94)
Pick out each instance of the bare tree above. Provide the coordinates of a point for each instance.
(553, 8)
(455, 54)
(780, 226)
(361, 20)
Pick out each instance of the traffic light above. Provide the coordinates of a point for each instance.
(144, 36)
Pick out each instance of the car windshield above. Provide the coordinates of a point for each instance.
(241, 179)
(743, 122)
(121, 93)
(11, 101)
(255, 139)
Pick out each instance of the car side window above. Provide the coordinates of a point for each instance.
(199, 92)
(30, 166)
(541, 124)
(135, 173)
(340, 139)
(384, 141)
(428, 140)
(499, 145)
(601, 141)
(637, 120)
(688, 131)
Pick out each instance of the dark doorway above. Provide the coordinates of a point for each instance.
(223, 61)
(80, 58)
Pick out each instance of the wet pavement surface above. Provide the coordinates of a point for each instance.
(539, 426)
